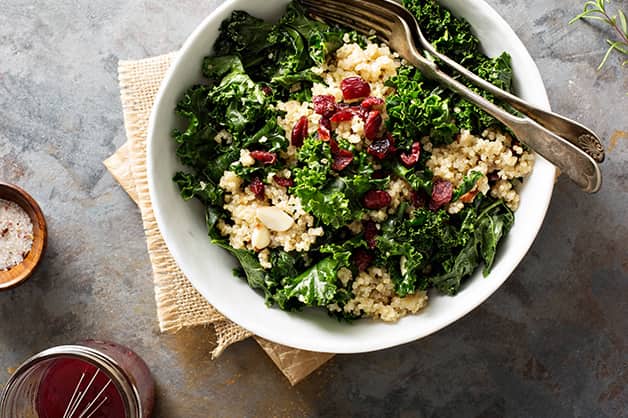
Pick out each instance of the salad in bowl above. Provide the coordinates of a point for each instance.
(339, 179)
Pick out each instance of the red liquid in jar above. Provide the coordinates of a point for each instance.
(59, 383)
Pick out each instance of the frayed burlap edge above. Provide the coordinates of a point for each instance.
(178, 303)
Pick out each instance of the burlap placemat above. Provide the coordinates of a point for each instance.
(179, 305)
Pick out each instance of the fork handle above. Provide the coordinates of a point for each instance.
(574, 132)
(580, 167)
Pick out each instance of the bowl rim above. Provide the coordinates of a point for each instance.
(264, 330)
(29, 265)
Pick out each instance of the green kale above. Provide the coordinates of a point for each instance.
(438, 249)
(316, 286)
(418, 179)
(468, 183)
(494, 222)
(215, 68)
(247, 37)
(319, 196)
(280, 54)
(483, 227)
(254, 273)
(195, 145)
(321, 39)
(206, 191)
(449, 35)
(418, 107)
(238, 102)
(496, 70)
(398, 254)
(441, 114)
(456, 268)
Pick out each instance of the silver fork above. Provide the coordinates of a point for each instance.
(400, 31)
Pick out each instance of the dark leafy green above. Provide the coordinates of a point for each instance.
(314, 287)
(420, 106)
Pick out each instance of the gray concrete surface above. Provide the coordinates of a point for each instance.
(550, 343)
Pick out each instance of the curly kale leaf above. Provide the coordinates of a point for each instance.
(418, 107)
(237, 101)
(247, 37)
(322, 40)
(484, 225)
(418, 179)
(281, 54)
(316, 286)
(497, 70)
(334, 200)
(402, 260)
(449, 35)
(321, 198)
(443, 113)
(195, 144)
(191, 186)
(438, 249)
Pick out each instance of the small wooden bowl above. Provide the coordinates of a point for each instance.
(18, 274)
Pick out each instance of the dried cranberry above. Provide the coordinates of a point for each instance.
(342, 115)
(379, 148)
(391, 138)
(324, 129)
(409, 160)
(267, 90)
(324, 105)
(257, 187)
(376, 199)
(370, 233)
(493, 176)
(362, 259)
(372, 125)
(354, 88)
(299, 132)
(442, 191)
(370, 102)
(333, 145)
(419, 199)
(264, 157)
(284, 182)
(342, 159)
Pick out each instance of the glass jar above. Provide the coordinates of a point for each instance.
(45, 384)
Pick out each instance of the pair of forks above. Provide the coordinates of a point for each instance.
(570, 146)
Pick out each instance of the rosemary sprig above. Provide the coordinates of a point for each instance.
(596, 10)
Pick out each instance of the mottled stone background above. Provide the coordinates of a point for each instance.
(551, 342)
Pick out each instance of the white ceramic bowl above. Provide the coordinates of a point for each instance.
(210, 268)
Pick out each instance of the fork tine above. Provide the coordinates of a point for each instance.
(366, 30)
(347, 15)
(364, 10)
(355, 23)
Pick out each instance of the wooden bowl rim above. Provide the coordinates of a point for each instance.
(9, 279)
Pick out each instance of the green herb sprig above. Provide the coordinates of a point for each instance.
(596, 10)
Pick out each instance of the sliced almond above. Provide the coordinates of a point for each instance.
(274, 218)
(260, 238)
